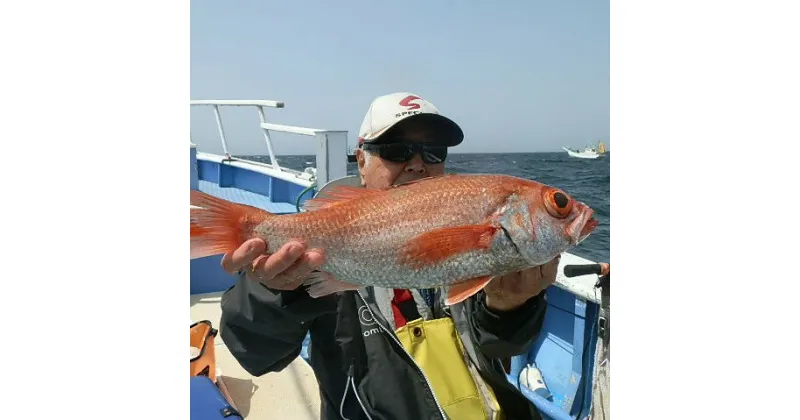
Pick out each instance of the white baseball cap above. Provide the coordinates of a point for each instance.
(388, 110)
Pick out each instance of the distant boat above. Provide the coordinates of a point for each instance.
(587, 152)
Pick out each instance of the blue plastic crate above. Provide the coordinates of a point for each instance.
(564, 353)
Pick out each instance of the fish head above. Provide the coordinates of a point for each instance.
(544, 221)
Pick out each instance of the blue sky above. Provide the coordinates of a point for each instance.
(518, 76)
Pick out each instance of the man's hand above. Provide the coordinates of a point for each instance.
(283, 270)
(513, 290)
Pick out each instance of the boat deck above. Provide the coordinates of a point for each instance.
(290, 394)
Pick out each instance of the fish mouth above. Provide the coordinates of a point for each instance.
(589, 224)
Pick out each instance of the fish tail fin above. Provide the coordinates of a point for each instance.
(219, 226)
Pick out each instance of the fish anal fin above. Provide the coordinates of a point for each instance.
(461, 291)
(320, 283)
(438, 245)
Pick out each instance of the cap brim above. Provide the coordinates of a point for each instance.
(448, 133)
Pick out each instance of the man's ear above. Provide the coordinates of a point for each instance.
(361, 159)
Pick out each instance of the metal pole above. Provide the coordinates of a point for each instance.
(221, 132)
(272, 158)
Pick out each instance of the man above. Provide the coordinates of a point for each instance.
(363, 369)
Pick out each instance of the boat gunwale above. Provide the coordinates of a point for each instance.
(303, 179)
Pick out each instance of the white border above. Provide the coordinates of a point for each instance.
(704, 126)
(704, 120)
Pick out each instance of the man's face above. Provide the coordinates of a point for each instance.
(380, 173)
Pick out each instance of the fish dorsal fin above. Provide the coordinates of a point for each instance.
(440, 244)
(337, 194)
(342, 193)
(412, 182)
(426, 179)
(463, 290)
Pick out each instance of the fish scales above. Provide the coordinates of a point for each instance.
(362, 242)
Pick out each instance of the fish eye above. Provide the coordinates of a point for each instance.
(560, 199)
(557, 203)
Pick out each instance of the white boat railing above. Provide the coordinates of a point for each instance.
(331, 151)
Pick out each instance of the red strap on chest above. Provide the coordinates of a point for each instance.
(400, 296)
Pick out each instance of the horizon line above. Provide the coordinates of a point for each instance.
(450, 153)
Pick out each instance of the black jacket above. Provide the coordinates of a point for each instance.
(358, 360)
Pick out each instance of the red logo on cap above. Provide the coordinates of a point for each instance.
(406, 102)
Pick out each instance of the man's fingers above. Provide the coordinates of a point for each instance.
(550, 269)
(243, 256)
(278, 262)
(258, 264)
(605, 269)
(294, 275)
(307, 263)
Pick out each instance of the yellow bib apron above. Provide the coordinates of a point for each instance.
(437, 349)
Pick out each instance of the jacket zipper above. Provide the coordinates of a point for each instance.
(430, 388)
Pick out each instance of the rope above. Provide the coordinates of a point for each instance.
(308, 188)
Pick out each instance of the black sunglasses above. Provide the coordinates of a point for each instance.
(402, 152)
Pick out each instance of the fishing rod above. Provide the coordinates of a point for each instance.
(603, 270)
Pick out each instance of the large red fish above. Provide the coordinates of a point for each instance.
(457, 231)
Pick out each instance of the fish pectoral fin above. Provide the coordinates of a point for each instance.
(320, 283)
(461, 291)
(438, 245)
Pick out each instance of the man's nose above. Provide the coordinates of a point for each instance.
(416, 164)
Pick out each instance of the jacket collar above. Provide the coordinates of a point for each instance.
(382, 299)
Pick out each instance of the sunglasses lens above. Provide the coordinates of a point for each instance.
(396, 152)
(434, 154)
(404, 152)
